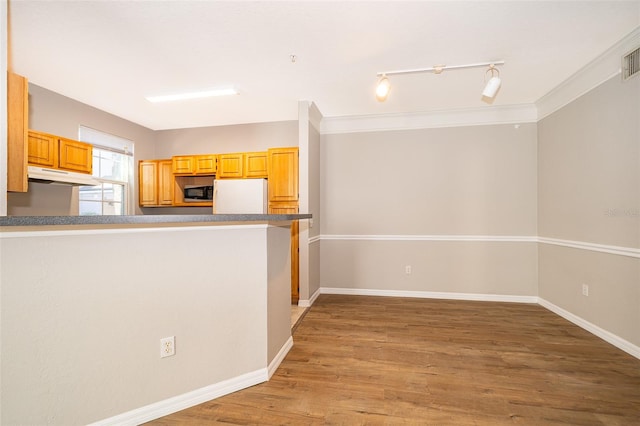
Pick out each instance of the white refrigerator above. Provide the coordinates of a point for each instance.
(240, 196)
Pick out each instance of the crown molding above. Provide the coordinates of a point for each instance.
(509, 114)
(592, 75)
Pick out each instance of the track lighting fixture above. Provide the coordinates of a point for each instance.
(382, 89)
(493, 84)
(490, 90)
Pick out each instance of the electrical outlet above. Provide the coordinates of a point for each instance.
(585, 290)
(407, 269)
(167, 346)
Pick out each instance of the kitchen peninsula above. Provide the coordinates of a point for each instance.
(86, 300)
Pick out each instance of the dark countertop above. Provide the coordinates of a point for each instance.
(147, 219)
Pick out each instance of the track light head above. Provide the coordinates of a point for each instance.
(492, 86)
(383, 88)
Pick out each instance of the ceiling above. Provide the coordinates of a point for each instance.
(112, 54)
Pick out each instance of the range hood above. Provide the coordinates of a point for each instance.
(62, 177)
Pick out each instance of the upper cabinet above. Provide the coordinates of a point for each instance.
(283, 175)
(75, 156)
(195, 164)
(43, 149)
(60, 153)
(255, 165)
(17, 127)
(231, 166)
(156, 183)
(148, 183)
(242, 165)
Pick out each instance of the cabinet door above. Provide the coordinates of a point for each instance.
(206, 164)
(283, 174)
(231, 166)
(255, 165)
(165, 182)
(183, 164)
(75, 156)
(43, 149)
(17, 128)
(148, 183)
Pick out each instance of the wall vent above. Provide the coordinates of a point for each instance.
(631, 64)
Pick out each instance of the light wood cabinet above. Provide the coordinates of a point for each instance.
(43, 149)
(75, 156)
(183, 164)
(178, 190)
(194, 164)
(155, 183)
(255, 165)
(231, 166)
(283, 175)
(282, 166)
(241, 165)
(17, 128)
(59, 153)
(148, 183)
(165, 182)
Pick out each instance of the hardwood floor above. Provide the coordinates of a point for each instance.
(378, 360)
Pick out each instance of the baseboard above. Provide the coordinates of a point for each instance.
(275, 363)
(616, 341)
(311, 301)
(430, 295)
(189, 399)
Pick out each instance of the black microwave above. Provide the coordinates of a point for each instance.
(198, 193)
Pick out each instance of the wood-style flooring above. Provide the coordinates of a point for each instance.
(377, 360)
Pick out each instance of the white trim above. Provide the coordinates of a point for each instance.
(5, 233)
(481, 238)
(307, 303)
(616, 341)
(186, 400)
(430, 295)
(593, 74)
(508, 114)
(280, 356)
(315, 116)
(582, 245)
(314, 239)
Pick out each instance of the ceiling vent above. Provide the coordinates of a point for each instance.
(631, 64)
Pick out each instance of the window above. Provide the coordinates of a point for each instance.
(113, 168)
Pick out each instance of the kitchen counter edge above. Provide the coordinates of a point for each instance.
(147, 219)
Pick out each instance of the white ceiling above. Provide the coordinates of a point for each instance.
(111, 54)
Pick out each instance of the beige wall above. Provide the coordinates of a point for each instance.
(478, 180)
(223, 139)
(83, 313)
(589, 170)
(589, 191)
(462, 181)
